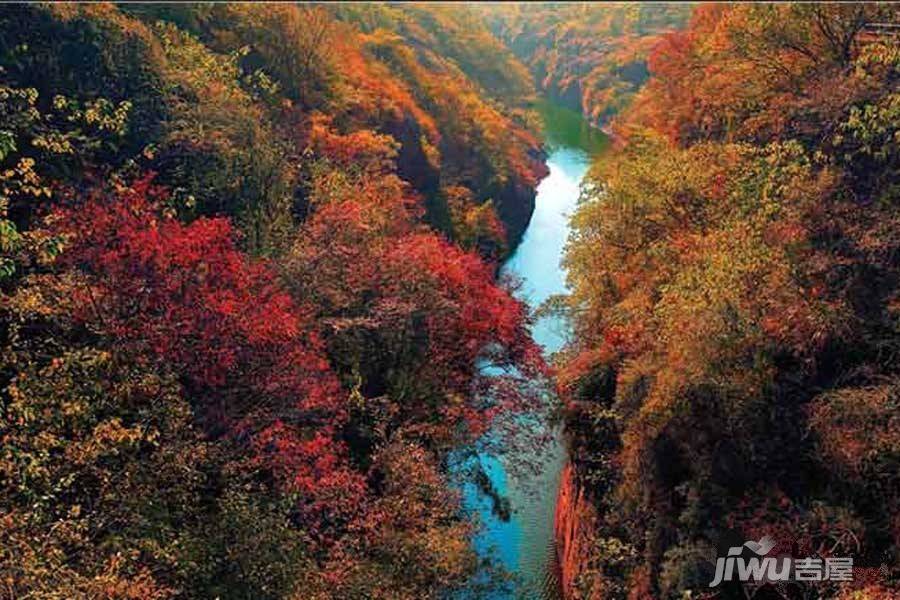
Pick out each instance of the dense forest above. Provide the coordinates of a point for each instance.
(735, 275)
(247, 272)
(250, 311)
(588, 58)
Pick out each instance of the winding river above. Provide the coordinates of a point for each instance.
(523, 544)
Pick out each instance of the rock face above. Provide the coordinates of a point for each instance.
(412, 163)
(515, 204)
(574, 523)
(513, 200)
(570, 96)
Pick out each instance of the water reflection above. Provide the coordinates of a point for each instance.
(523, 544)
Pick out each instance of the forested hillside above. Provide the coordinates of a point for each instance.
(248, 257)
(591, 58)
(735, 299)
(251, 310)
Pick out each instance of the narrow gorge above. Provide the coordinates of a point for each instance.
(524, 539)
(434, 301)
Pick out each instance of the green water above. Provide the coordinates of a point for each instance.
(524, 544)
(564, 128)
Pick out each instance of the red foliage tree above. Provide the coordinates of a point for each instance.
(412, 315)
(184, 295)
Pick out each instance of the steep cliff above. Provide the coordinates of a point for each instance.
(574, 524)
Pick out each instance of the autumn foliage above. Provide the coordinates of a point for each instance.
(734, 281)
(241, 327)
(590, 58)
(249, 306)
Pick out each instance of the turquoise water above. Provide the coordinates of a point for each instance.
(523, 545)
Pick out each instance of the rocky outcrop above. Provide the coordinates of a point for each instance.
(514, 201)
(515, 204)
(412, 162)
(574, 525)
(569, 95)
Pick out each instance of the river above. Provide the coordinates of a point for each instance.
(523, 545)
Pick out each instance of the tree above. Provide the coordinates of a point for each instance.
(733, 297)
